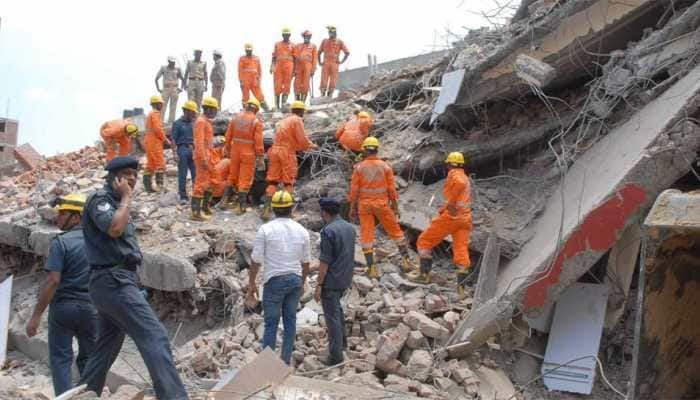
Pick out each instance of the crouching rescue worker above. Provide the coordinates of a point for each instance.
(203, 144)
(65, 292)
(282, 169)
(373, 195)
(354, 132)
(455, 218)
(244, 144)
(153, 141)
(114, 255)
(283, 249)
(118, 133)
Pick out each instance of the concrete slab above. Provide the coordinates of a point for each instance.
(451, 83)
(488, 272)
(262, 374)
(607, 189)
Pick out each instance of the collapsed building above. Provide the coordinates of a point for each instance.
(574, 118)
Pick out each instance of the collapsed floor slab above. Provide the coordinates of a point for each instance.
(607, 189)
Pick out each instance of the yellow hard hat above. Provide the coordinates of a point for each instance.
(72, 202)
(331, 28)
(455, 158)
(156, 99)
(190, 105)
(298, 105)
(371, 141)
(286, 31)
(132, 129)
(282, 199)
(364, 114)
(248, 46)
(254, 102)
(210, 102)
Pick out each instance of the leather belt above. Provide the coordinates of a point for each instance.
(131, 268)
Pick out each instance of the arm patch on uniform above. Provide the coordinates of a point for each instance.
(104, 206)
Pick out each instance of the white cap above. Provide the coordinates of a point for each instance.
(217, 52)
(199, 50)
(171, 59)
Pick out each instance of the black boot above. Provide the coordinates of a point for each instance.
(283, 103)
(242, 203)
(423, 274)
(267, 208)
(196, 204)
(406, 263)
(264, 106)
(148, 183)
(206, 211)
(227, 201)
(372, 271)
(277, 102)
(160, 181)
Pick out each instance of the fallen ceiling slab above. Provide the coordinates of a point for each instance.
(606, 189)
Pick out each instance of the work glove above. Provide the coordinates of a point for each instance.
(260, 163)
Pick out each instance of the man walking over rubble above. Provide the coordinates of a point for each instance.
(118, 133)
(305, 56)
(203, 144)
(244, 144)
(289, 139)
(455, 218)
(172, 76)
(336, 263)
(330, 49)
(249, 75)
(114, 256)
(373, 195)
(65, 292)
(196, 78)
(184, 141)
(218, 77)
(282, 247)
(282, 68)
(153, 141)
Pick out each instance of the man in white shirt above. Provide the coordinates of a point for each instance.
(283, 248)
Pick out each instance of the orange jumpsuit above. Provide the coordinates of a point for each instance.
(153, 141)
(249, 73)
(114, 134)
(306, 56)
(289, 138)
(458, 194)
(373, 187)
(220, 173)
(353, 133)
(203, 138)
(244, 141)
(331, 49)
(284, 66)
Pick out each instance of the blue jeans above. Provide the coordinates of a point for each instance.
(69, 319)
(123, 310)
(185, 162)
(281, 295)
(335, 323)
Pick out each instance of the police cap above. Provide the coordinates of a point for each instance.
(119, 163)
(329, 204)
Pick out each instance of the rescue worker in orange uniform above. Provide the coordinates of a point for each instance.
(330, 49)
(455, 218)
(353, 133)
(282, 68)
(220, 174)
(244, 144)
(305, 56)
(203, 144)
(249, 74)
(289, 139)
(373, 195)
(153, 141)
(118, 132)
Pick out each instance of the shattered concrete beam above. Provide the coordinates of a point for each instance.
(608, 188)
(534, 71)
(602, 26)
(159, 270)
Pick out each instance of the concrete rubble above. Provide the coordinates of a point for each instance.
(574, 117)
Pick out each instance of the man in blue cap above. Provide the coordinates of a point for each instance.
(114, 256)
(336, 264)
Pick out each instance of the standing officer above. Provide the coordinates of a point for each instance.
(196, 78)
(218, 77)
(114, 256)
(66, 294)
(172, 76)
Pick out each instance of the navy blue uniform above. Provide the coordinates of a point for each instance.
(121, 306)
(338, 251)
(183, 138)
(70, 313)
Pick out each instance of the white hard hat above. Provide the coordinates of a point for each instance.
(217, 52)
(171, 59)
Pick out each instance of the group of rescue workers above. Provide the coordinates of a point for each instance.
(100, 241)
